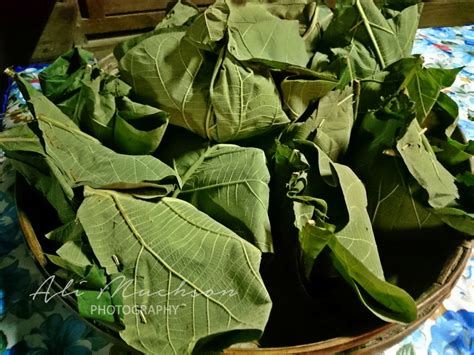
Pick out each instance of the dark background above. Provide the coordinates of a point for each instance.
(21, 24)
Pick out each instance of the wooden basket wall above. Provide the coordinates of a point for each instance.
(98, 25)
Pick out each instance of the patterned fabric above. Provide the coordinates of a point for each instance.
(452, 47)
(14, 109)
(30, 326)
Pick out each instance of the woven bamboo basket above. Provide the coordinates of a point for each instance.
(428, 270)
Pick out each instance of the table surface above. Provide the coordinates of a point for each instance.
(33, 326)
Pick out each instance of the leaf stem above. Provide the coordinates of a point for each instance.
(9, 72)
(357, 88)
(370, 32)
(192, 169)
(18, 139)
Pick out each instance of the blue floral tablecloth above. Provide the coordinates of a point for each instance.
(30, 326)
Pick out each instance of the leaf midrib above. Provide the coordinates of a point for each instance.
(73, 130)
(192, 169)
(18, 139)
(137, 235)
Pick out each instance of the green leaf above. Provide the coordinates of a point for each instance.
(28, 157)
(395, 197)
(356, 236)
(246, 103)
(375, 36)
(421, 161)
(96, 110)
(349, 235)
(250, 107)
(101, 109)
(356, 61)
(314, 232)
(384, 125)
(320, 19)
(298, 93)
(313, 18)
(94, 277)
(422, 85)
(3, 341)
(363, 40)
(461, 216)
(383, 38)
(74, 256)
(442, 120)
(189, 262)
(450, 107)
(20, 138)
(451, 152)
(335, 117)
(319, 62)
(63, 77)
(405, 24)
(168, 72)
(209, 27)
(180, 14)
(457, 219)
(72, 252)
(396, 200)
(329, 126)
(93, 305)
(370, 95)
(49, 175)
(304, 209)
(467, 177)
(84, 161)
(355, 255)
(291, 10)
(313, 239)
(345, 24)
(71, 231)
(465, 184)
(384, 299)
(219, 180)
(257, 35)
(89, 99)
(138, 129)
(42, 174)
